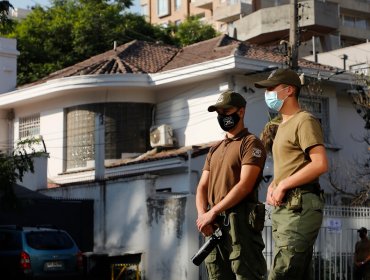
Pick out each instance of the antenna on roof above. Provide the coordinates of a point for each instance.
(115, 45)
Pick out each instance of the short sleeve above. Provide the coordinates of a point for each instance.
(207, 162)
(253, 152)
(310, 133)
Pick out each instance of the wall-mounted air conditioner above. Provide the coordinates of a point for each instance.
(161, 136)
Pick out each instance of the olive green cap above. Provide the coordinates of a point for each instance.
(227, 100)
(280, 76)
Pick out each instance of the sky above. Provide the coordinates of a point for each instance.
(24, 4)
(28, 3)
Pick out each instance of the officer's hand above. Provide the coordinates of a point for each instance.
(206, 219)
(270, 190)
(207, 230)
(278, 194)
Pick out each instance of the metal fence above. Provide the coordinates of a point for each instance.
(334, 247)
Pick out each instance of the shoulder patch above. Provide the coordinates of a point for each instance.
(257, 152)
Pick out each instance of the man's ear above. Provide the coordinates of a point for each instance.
(242, 111)
(291, 90)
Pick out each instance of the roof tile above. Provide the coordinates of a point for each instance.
(146, 57)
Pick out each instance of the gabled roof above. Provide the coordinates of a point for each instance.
(140, 57)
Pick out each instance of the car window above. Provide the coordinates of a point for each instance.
(48, 240)
(10, 241)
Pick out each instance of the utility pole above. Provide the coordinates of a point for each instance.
(293, 35)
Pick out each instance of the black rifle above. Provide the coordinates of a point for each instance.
(207, 247)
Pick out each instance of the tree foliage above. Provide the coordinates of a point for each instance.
(6, 24)
(13, 167)
(193, 30)
(69, 31)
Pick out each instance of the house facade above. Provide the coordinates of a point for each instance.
(98, 121)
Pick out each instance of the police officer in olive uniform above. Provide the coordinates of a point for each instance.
(299, 159)
(226, 196)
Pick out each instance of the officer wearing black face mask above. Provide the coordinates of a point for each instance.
(227, 195)
(362, 256)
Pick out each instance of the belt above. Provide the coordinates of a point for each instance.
(310, 188)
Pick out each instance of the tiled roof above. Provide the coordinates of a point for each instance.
(133, 57)
(147, 57)
(218, 47)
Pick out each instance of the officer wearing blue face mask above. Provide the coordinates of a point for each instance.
(299, 158)
(227, 196)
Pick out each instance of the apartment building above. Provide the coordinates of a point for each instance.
(331, 24)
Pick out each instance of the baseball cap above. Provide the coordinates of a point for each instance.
(228, 99)
(362, 230)
(280, 76)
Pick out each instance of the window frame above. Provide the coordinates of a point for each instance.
(29, 126)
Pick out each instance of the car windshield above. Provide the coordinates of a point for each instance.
(48, 240)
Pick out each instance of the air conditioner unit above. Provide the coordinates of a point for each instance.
(161, 136)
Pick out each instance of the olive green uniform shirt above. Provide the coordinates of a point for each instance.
(291, 143)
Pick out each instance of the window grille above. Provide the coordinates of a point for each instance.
(29, 126)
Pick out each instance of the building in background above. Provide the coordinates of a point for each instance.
(19, 13)
(330, 24)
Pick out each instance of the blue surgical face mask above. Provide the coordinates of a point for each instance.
(272, 101)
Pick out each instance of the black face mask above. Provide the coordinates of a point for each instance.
(228, 122)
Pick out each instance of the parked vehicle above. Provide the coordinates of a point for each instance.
(38, 252)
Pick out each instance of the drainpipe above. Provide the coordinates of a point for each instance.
(99, 147)
(192, 189)
(100, 172)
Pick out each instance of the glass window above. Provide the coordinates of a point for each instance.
(145, 10)
(177, 5)
(348, 21)
(361, 23)
(163, 8)
(49, 240)
(29, 126)
(127, 127)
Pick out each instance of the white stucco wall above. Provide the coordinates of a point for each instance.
(186, 110)
(357, 55)
(131, 218)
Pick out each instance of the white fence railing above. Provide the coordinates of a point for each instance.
(334, 247)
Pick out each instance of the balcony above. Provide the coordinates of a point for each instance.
(231, 10)
(354, 6)
(204, 4)
(273, 24)
(354, 32)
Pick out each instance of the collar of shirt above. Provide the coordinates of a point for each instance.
(241, 134)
